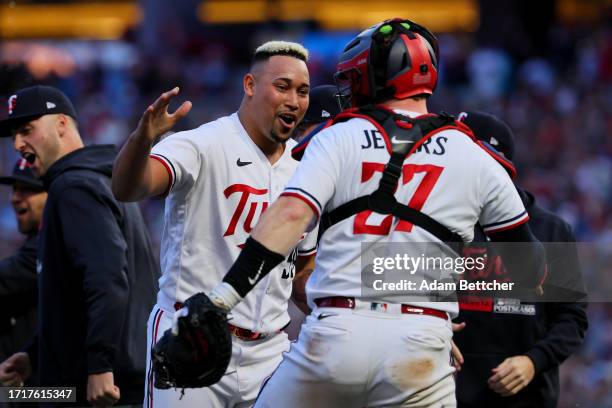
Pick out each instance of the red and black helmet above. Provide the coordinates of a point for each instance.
(393, 59)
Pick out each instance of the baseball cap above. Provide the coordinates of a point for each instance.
(22, 173)
(491, 130)
(324, 104)
(29, 103)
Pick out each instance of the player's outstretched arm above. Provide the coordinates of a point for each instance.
(276, 233)
(135, 174)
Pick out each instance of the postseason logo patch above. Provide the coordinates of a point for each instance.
(513, 306)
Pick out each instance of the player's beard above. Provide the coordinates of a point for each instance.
(278, 138)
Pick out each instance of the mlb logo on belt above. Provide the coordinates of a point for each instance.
(378, 307)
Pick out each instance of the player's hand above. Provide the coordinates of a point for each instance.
(15, 370)
(156, 120)
(512, 375)
(455, 352)
(101, 390)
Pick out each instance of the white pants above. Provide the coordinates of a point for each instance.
(251, 364)
(348, 358)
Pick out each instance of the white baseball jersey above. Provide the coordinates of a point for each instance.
(221, 182)
(450, 179)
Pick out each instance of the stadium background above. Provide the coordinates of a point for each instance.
(544, 66)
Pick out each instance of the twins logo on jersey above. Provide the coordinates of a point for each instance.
(255, 209)
(245, 192)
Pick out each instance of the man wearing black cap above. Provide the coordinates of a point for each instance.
(512, 353)
(97, 272)
(18, 279)
(325, 103)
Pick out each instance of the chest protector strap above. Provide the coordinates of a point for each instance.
(403, 136)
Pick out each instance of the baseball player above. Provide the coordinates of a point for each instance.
(218, 180)
(353, 351)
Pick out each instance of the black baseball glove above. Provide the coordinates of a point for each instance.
(198, 353)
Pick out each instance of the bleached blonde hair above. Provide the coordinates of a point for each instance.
(272, 48)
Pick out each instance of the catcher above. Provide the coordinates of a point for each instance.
(355, 351)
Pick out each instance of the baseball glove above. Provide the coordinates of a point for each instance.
(195, 353)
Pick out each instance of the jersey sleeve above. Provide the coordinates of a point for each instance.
(502, 207)
(315, 178)
(180, 155)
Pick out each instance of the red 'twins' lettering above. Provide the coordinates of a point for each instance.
(245, 191)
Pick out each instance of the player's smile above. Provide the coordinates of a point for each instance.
(287, 120)
(27, 204)
(21, 210)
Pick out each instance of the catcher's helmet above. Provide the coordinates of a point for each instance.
(393, 59)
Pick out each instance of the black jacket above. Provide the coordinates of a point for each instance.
(98, 279)
(18, 298)
(547, 332)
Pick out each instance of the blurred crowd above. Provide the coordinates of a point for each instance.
(559, 104)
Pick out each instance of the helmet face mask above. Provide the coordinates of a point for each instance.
(345, 81)
(394, 59)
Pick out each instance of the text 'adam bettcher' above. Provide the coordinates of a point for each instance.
(411, 264)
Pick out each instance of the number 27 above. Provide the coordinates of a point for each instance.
(432, 173)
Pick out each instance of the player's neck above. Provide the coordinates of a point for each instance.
(412, 105)
(271, 149)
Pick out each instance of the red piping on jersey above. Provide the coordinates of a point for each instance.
(304, 199)
(168, 169)
(516, 224)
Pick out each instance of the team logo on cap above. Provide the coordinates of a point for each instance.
(51, 105)
(12, 104)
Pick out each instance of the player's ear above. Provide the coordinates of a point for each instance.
(248, 83)
(62, 124)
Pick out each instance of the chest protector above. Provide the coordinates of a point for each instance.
(403, 136)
